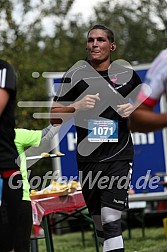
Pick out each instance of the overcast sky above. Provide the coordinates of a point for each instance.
(85, 7)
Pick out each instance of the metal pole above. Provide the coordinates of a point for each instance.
(56, 162)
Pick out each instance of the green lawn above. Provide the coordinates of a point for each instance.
(154, 241)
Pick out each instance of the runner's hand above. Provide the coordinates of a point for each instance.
(87, 102)
(125, 109)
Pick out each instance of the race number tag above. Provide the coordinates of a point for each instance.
(102, 130)
(1, 188)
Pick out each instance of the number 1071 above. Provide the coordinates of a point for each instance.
(102, 131)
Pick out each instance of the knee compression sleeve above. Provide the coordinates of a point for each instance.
(111, 221)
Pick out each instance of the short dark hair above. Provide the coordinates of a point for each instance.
(109, 32)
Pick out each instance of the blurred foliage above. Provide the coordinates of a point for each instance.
(140, 27)
(25, 43)
(41, 36)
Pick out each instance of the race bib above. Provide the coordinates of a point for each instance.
(102, 130)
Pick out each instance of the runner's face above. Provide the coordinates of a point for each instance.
(98, 46)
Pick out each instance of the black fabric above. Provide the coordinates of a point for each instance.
(106, 152)
(112, 195)
(9, 211)
(8, 152)
(12, 187)
(24, 227)
(116, 250)
(112, 229)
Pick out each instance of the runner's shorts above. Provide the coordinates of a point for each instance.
(105, 184)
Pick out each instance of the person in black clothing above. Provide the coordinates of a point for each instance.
(104, 144)
(10, 194)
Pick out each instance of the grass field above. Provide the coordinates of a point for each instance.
(154, 241)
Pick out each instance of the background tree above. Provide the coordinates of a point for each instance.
(31, 47)
(140, 27)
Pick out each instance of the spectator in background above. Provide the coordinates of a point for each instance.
(144, 119)
(10, 194)
(23, 139)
